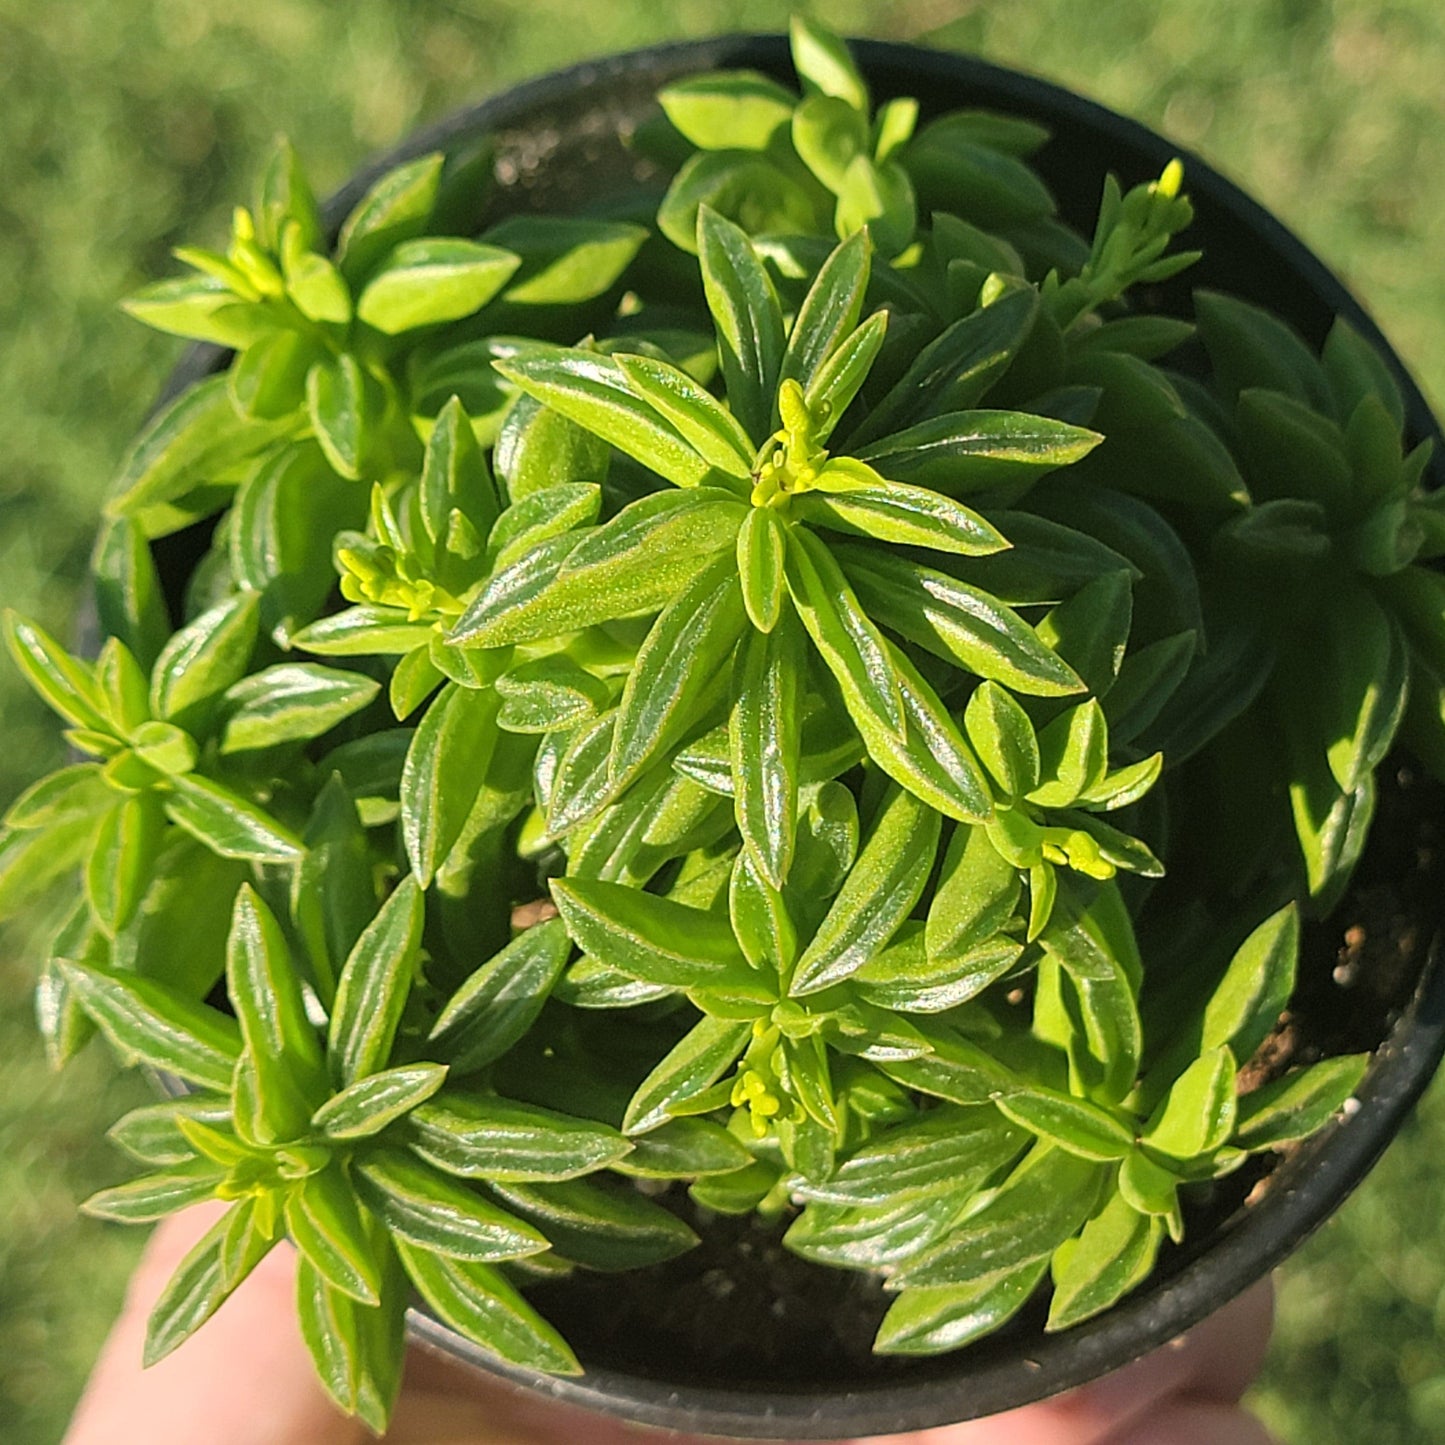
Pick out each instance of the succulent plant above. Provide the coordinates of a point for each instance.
(769, 658)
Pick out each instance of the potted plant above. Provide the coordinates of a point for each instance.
(794, 708)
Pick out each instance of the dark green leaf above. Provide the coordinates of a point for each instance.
(878, 894)
(153, 1196)
(370, 1104)
(148, 1023)
(684, 1149)
(601, 1228)
(748, 318)
(947, 1317)
(336, 403)
(427, 1209)
(374, 986)
(227, 824)
(291, 702)
(646, 937)
(694, 1065)
(1074, 1125)
(481, 1136)
(328, 1229)
(1296, 1105)
(479, 1304)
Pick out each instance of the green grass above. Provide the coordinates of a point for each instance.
(128, 128)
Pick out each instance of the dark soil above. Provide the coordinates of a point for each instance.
(740, 1309)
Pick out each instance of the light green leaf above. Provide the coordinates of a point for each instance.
(426, 282)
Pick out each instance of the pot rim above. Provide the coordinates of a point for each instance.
(1332, 1162)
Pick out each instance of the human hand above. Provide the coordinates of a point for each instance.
(246, 1379)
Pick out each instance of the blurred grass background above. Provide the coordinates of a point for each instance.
(129, 126)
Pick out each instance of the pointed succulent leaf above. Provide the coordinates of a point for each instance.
(597, 1227)
(147, 1022)
(153, 1196)
(1114, 1252)
(1294, 1106)
(494, 1008)
(1255, 989)
(426, 282)
(1074, 1125)
(646, 937)
(930, 1320)
(479, 1303)
(482, 1136)
(696, 1063)
(193, 1294)
(372, 1103)
(703, 422)
(374, 986)
(878, 894)
(748, 318)
(427, 1209)
(337, 406)
(328, 1228)
(395, 209)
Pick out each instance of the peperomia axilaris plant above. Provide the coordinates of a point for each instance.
(689, 714)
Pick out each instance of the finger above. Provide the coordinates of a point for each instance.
(245, 1378)
(1189, 1423)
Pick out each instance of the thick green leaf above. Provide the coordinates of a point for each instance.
(1074, 1125)
(956, 622)
(427, 1209)
(1255, 989)
(495, 1007)
(684, 1149)
(197, 440)
(704, 423)
(601, 1228)
(1294, 1106)
(152, 1133)
(481, 1305)
(125, 849)
(976, 895)
(930, 1321)
(565, 259)
(358, 1350)
(878, 894)
(830, 311)
(1002, 735)
(635, 564)
(395, 209)
(1073, 756)
(1113, 1254)
(193, 1294)
(1041, 1204)
(906, 978)
(594, 391)
(481, 1136)
(327, 1227)
(963, 452)
(1090, 630)
(337, 405)
(227, 823)
(374, 986)
(445, 767)
(372, 1103)
(128, 593)
(265, 991)
(693, 1066)
(205, 658)
(363, 632)
(1197, 1115)
(854, 499)
(748, 318)
(955, 1070)
(668, 687)
(425, 282)
(146, 1022)
(765, 736)
(727, 109)
(292, 702)
(153, 1196)
(847, 640)
(824, 65)
(761, 550)
(949, 1149)
(646, 937)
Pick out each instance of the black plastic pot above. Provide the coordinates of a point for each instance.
(559, 145)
